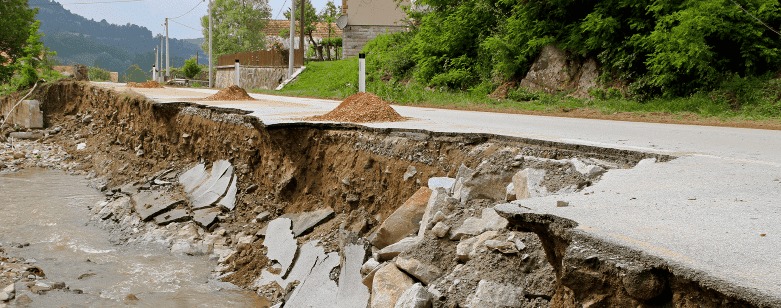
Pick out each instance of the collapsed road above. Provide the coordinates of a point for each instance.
(321, 214)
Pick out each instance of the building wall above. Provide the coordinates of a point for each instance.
(251, 77)
(355, 37)
(374, 12)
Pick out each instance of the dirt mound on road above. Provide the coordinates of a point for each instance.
(232, 93)
(361, 107)
(147, 84)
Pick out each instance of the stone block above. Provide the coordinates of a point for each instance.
(391, 251)
(528, 183)
(28, 114)
(281, 244)
(149, 204)
(352, 293)
(490, 294)
(205, 217)
(415, 296)
(442, 182)
(177, 215)
(426, 273)
(388, 285)
(404, 221)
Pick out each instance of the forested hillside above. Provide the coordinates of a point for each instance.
(99, 43)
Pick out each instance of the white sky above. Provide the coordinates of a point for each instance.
(152, 13)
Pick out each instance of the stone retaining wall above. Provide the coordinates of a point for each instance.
(252, 77)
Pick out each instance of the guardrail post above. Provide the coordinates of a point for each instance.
(237, 74)
(362, 72)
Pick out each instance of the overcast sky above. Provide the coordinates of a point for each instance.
(152, 13)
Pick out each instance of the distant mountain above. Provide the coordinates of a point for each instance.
(99, 43)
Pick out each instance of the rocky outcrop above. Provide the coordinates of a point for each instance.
(557, 71)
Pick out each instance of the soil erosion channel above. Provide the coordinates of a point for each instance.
(333, 215)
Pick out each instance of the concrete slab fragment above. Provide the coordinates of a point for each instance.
(404, 221)
(177, 215)
(442, 182)
(394, 250)
(280, 242)
(28, 115)
(193, 177)
(228, 202)
(317, 289)
(352, 292)
(426, 273)
(388, 285)
(305, 222)
(205, 218)
(307, 259)
(149, 204)
(214, 187)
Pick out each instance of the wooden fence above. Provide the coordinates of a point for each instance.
(262, 58)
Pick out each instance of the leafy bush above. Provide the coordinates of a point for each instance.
(98, 74)
(656, 47)
(191, 68)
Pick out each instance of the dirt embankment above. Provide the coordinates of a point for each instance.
(365, 175)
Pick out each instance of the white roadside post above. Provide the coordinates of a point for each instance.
(237, 74)
(154, 72)
(362, 72)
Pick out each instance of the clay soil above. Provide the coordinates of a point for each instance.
(146, 84)
(232, 93)
(361, 108)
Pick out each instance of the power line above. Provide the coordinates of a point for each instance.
(181, 24)
(188, 12)
(755, 18)
(280, 9)
(101, 2)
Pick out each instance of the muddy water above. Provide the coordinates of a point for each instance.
(48, 210)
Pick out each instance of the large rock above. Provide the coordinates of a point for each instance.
(426, 273)
(205, 217)
(490, 294)
(228, 202)
(404, 221)
(393, 250)
(437, 202)
(305, 222)
(352, 292)
(528, 183)
(280, 242)
(415, 296)
(388, 285)
(149, 204)
(554, 71)
(490, 220)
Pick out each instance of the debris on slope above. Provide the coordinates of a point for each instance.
(361, 107)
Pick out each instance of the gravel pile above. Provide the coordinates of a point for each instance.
(146, 84)
(361, 107)
(232, 93)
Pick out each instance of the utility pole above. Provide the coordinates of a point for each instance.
(291, 57)
(301, 37)
(160, 61)
(210, 44)
(154, 67)
(167, 53)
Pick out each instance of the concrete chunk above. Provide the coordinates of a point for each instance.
(214, 187)
(352, 292)
(528, 183)
(307, 258)
(404, 221)
(490, 220)
(305, 222)
(193, 177)
(442, 182)
(205, 218)
(228, 202)
(177, 215)
(28, 115)
(280, 242)
(148, 204)
(317, 289)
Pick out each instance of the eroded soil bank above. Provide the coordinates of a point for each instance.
(458, 251)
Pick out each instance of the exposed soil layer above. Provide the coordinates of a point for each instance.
(232, 93)
(364, 174)
(361, 108)
(147, 84)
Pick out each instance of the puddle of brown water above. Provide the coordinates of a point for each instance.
(48, 209)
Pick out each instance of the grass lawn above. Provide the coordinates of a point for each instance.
(760, 107)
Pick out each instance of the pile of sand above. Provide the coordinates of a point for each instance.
(361, 107)
(232, 93)
(146, 84)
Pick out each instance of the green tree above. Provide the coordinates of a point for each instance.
(237, 26)
(134, 73)
(328, 15)
(98, 74)
(17, 24)
(311, 18)
(191, 68)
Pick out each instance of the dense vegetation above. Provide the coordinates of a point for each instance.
(651, 47)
